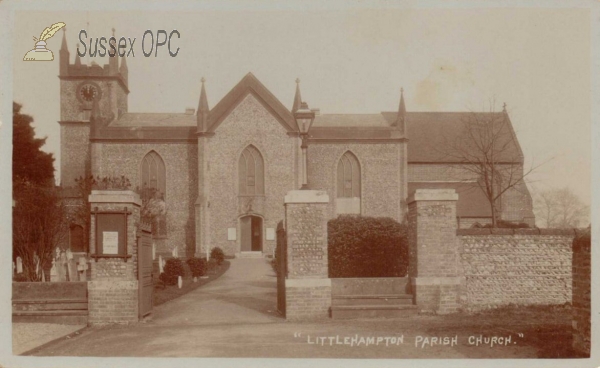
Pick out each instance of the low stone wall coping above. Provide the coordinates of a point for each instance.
(111, 284)
(303, 283)
(437, 280)
(523, 231)
(115, 196)
(433, 195)
(306, 196)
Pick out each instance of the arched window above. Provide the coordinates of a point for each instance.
(251, 172)
(153, 192)
(153, 173)
(348, 177)
(77, 238)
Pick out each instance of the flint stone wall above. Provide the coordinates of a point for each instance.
(521, 267)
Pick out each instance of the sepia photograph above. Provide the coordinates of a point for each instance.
(372, 181)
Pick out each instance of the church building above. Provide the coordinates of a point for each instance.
(224, 170)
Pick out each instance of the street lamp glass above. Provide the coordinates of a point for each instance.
(304, 118)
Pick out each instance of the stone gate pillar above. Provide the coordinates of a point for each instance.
(113, 285)
(433, 250)
(307, 286)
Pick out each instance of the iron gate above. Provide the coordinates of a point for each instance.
(145, 276)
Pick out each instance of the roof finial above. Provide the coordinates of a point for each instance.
(63, 45)
(203, 109)
(402, 107)
(297, 97)
(504, 107)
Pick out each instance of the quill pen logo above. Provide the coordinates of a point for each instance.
(40, 52)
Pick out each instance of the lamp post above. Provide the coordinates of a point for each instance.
(304, 118)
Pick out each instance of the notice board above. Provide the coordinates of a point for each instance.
(111, 234)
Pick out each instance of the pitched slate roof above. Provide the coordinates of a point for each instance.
(350, 120)
(472, 202)
(429, 132)
(143, 119)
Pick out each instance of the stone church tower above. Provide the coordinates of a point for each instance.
(83, 89)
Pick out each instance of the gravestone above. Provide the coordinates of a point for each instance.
(53, 272)
(82, 267)
(19, 265)
(61, 266)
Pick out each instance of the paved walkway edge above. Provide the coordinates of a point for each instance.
(40, 347)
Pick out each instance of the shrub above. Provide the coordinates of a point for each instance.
(197, 266)
(217, 254)
(275, 265)
(173, 269)
(367, 247)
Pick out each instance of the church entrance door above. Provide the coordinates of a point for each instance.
(251, 234)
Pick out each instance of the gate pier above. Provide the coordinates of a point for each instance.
(113, 285)
(307, 286)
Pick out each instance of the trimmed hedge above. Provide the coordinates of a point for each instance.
(367, 247)
(217, 254)
(173, 269)
(197, 266)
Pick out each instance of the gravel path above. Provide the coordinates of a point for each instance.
(26, 336)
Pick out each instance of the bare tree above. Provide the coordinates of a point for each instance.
(486, 146)
(38, 226)
(560, 208)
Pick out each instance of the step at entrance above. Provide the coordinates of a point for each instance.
(250, 255)
(64, 311)
(372, 311)
(371, 298)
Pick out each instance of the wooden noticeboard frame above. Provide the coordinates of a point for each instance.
(111, 226)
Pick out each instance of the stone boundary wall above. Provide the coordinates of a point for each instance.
(582, 269)
(515, 266)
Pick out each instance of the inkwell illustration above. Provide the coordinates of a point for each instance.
(40, 52)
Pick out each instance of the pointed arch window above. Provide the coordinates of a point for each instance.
(251, 172)
(154, 188)
(348, 176)
(153, 173)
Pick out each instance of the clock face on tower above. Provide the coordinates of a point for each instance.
(88, 92)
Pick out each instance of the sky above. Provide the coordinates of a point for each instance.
(535, 60)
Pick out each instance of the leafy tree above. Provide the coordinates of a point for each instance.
(38, 227)
(38, 214)
(30, 163)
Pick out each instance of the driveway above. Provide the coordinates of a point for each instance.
(246, 293)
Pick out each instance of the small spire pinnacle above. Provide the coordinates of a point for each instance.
(504, 107)
(63, 46)
(203, 109)
(297, 97)
(402, 107)
(77, 57)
